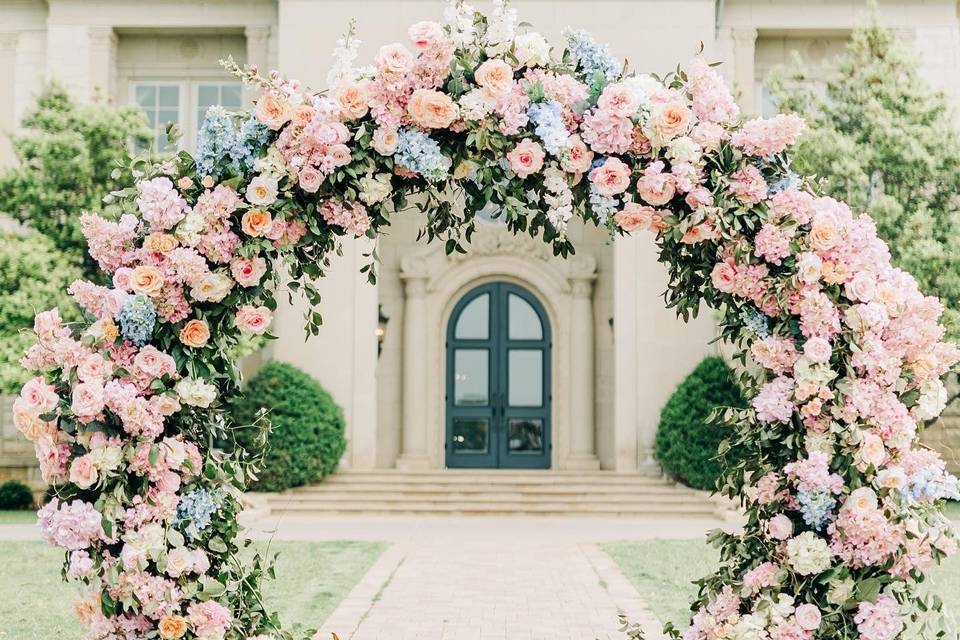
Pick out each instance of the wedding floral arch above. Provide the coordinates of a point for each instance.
(842, 354)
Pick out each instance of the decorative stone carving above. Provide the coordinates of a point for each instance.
(500, 241)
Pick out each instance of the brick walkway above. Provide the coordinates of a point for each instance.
(454, 588)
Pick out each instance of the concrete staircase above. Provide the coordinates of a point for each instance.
(495, 492)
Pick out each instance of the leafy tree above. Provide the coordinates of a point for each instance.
(34, 275)
(70, 156)
(881, 139)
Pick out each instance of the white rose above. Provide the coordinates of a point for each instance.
(262, 191)
(892, 478)
(840, 591)
(196, 392)
(808, 554)
(684, 149)
(532, 49)
(176, 453)
(933, 400)
(375, 188)
(211, 287)
(871, 451)
(179, 561)
(809, 267)
(189, 230)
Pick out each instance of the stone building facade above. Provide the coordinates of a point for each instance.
(587, 393)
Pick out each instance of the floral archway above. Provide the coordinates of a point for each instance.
(843, 354)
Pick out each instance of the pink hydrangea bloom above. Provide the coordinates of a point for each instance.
(773, 403)
(109, 243)
(879, 620)
(748, 186)
(767, 136)
(606, 132)
(712, 100)
(209, 619)
(160, 203)
(71, 526)
(772, 243)
(353, 218)
(775, 353)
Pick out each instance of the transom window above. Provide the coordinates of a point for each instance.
(183, 103)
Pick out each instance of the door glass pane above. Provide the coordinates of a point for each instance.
(146, 96)
(525, 378)
(168, 96)
(474, 320)
(230, 96)
(526, 435)
(161, 104)
(471, 377)
(471, 435)
(524, 322)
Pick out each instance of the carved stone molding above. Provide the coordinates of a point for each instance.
(503, 241)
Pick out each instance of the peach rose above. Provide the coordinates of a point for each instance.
(207, 182)
(611, 178)
(353, 98)
(28, 423)
(426, 35)
(302, 115)
(160, 242)
(146, 279)
(526, 158)
(671, 119)
(185, 183)
(248, 271)
(172, 627)
(273, 110)
(195, 333)
(256, 222)
(431, 109)
(635, 216)
(495, 78)
(824, 232)
(253, 320)
(578, 157)
(83, 473)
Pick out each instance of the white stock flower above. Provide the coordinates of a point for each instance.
(196, 392)
(532, 49)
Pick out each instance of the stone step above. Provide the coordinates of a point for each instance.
(462, 489)
(654, 509)
(492, 497)
(497, 477)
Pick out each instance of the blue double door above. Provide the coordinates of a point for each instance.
(498, 380)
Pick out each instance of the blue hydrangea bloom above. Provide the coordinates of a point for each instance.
(756, 323)
(816, 507)
(548, 118)
(603, 206)
(592, 57)
(137, 318)
(418, 152)
(930, 484)
(789, 181)
(225, 148)
(196, 509)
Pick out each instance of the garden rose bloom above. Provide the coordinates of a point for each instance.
(172, 627)
(526, 158)
(818, 350)
(146, 279)
(635, 216)
(611, 178)
(309, 179)
(531, 49)
(273, 110)
(160, 242)
(863, 286)
(655, 187)
(87, 400)
(724, 276)
(38, 397)
(385, 141)
(578, 156)
(861, 500)
(394, 59)
(871, 451)
(426, 35)
(780, 527)
(262, 191)
(196, 392)
(808, 616)
(353, 98)
(431, 109)
(83, 473)
(302, 115)
(671, 119)
(253, 320)
(248, 271)
(195, 333)
(211, 287)
(256, 222)
(809, 267)
(618, 99)
(495, 78)
(179, 561)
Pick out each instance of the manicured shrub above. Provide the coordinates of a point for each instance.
(686, 443)
(15, 495)
(307, 435)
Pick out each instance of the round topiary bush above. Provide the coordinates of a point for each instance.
(686, 443)
(15, 495)
(307, 435)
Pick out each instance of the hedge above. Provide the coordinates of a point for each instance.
(307, 435)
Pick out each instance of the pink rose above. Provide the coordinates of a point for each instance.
(121, 278)
(611, 178)
(426, 35)
(253, 320)
(636, 216)
(779, 527)
(618, 99)
(38, 396)
(808, 616)
(83, 473)
(87, 400)
(724, 276)
(153, 363)
(309, 179)
(818, 350)
(248, 271)
(699, 197)
(526, 158)
(655, 187)
(578, 157)
(94, 367)
(863, 286)
(394, 59)
(495, 78)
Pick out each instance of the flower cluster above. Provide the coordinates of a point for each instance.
(126, 408)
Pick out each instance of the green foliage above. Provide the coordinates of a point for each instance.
(34, 276)
(307, 435)
(15, 495)
(884, 141)
(687, 442)
(70, 157)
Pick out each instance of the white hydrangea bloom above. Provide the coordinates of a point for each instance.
(375, 188)
(474, 105)
(458, 15)
(933, 400)
(808, 554)
(532, 49)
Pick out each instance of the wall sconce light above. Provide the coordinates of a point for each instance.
(382, 321)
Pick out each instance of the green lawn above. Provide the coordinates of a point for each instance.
(312, 578)
(662, 572)
(18, 517)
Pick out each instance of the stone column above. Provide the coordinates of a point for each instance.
(583, 452)
(744, 56)
(413, 452)
(258, 53)
(103, 49)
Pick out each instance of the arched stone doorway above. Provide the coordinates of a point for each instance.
(498, 396)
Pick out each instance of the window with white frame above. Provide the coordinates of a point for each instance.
(183, 103)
